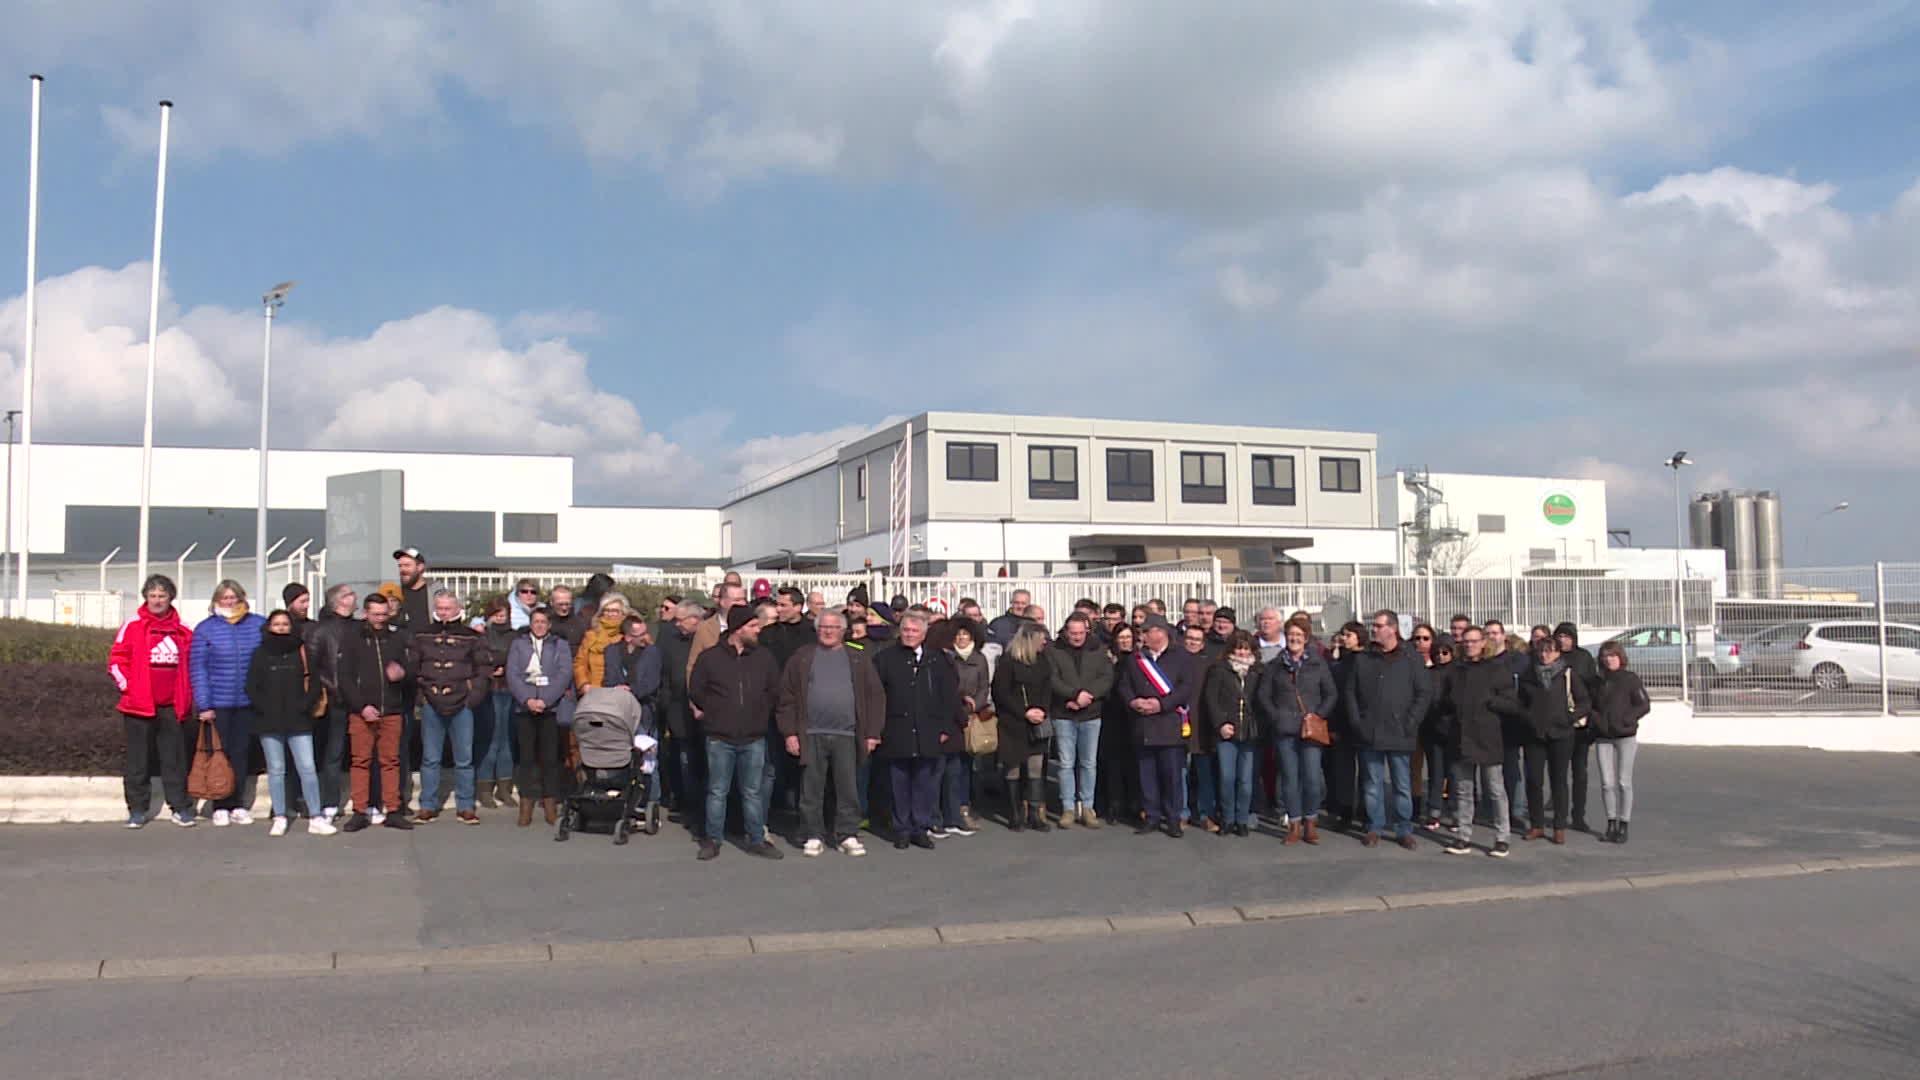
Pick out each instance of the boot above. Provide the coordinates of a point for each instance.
(1017, 815)
(1066, 816)
(1037, 818)
(504, 792)
(1613, 830)
(1535, 834)
(1293, 833)
(1559, 836)
(526, 813)
(1621, 836)
(1311, 832)
(484, 793)
(551, 809)
(1089, 819)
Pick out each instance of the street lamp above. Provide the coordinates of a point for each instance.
(6, 563)
(1822, 515)
(1679, 461)
(271, 302)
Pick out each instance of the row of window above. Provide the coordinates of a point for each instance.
(1053, 472)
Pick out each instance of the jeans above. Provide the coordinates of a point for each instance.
(1161, 770)
(493, 738)
(742, 766)
(1206, 802)
(275, 748)
(1439, 767)
(1557, 755)
(1616, 775)
(149, 740)
(916, 789)
(539, 771)
(956, 787)
(1301, 781)
(434, 730)
(1377, 769)
(1515, 774)
(1470, 779)
(235, 727)
(833, 758)
(1236, 781)
(1076, 749)
(331, 754)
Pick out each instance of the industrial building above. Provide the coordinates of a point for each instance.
(1746, 526)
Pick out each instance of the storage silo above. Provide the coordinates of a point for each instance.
(1769, 546)
(1743, 547)
(1700, 522)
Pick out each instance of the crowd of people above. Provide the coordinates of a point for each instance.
(828, 720)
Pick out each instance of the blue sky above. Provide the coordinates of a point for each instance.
(687, 242)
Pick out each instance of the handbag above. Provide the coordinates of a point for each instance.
(1313, 726)
(983, 735)
(306, 678)
(211, 777)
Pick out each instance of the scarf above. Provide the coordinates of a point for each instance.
(1547, 673)
(233, 614)
(533, 660)
(964, 654)
(1240, 666)
(1291, 662)
(280, 644)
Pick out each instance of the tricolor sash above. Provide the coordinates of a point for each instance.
(1152, 671)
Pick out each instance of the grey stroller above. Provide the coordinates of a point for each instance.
(614, 785)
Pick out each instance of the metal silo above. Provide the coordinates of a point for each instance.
(1769, 543)
(1700, 522)
(1742, 548)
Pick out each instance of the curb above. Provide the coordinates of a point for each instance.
(649, 951)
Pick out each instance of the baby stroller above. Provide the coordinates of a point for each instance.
(615, 782)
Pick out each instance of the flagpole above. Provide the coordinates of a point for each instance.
(18, 602)
(153, 344)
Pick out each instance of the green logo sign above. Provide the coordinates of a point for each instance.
(1559, 509)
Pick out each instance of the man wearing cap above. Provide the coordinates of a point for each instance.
(1158, 685)
(735, 687)
(413, 613)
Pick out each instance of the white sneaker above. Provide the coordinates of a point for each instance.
(939, 832)
(279, 827)
(222, 819)
(330, 813)
(377, 817)
(320, 826)
(242, 817)
(813, 848)
(852, 846)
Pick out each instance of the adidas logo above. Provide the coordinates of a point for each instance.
(166, 653)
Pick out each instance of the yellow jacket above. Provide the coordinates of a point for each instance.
(590, 663)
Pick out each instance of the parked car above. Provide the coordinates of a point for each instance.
(1834, 655)
(1768, 654)
(1655, 652)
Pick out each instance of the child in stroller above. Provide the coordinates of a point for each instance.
(618, 782)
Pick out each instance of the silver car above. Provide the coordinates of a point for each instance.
(1833, 655)
(1655, 652)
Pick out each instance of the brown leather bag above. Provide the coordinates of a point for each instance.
(211, 777)
(983, 735)
(1313, 726)
(306, 679)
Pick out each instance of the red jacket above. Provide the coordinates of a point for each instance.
(130, 662)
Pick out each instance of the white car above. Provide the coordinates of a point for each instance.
(1836, 654)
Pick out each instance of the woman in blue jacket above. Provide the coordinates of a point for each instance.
(223, 647)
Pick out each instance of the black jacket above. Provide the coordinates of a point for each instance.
(363, 671)
(923, 701)
(1282, 692)
(1386, 699)
(1018, 687)
(1001, 629)
(451, 664)
(1478, 734)
(1086, 668)
(736, 692)
(1436, 728)
(674, 714)
(785, 639)
(1619, 706)
(1550, 711)
(1230, 699)
(326, 637)
(1182, 671)
(279, 687)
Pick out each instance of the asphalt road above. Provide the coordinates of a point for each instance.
(1811, 976)
(78, 892)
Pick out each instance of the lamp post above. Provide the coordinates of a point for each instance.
(271, 302)
(153, 346)
(6, 563)
(17, 602)
(1836, 508)
(1678, 461)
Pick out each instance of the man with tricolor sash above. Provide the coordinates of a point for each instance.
(1158, 685)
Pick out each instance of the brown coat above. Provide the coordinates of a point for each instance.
(869, 701)
(705, 636)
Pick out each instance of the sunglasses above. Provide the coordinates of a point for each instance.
(1423, 637)
(529, 592)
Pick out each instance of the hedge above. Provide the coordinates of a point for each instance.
(23, 642)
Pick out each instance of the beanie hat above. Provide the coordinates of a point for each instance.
(292, 592)
(737, 618)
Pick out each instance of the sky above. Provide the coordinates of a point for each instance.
(688, 241)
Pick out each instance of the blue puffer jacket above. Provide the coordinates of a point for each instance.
(219, 658)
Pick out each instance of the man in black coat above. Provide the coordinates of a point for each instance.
(736, 687)
(686, 756)
(1387, 693)
(1479, 741)
(923, 716)
(1159, 685)
(1587, 670)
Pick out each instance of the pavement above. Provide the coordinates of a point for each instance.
(1808, 976)
(80, 894)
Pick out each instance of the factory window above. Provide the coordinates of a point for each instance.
(860, 483)
(1130, 476)
(1053, 472)
(1340, 474)
(1203, 477)
(973, 461)
(1493, 523)
(530, 528)
(1272, 480)
(1540, 555)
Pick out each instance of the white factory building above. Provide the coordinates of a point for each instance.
(1029, 494)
